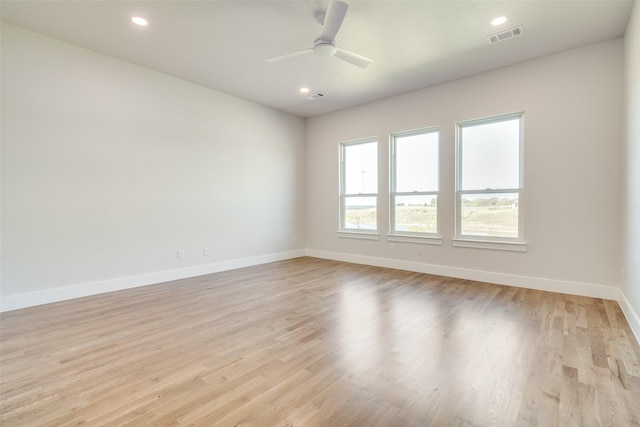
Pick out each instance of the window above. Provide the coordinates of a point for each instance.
(359, 186)
(489, 180)
(414, 183)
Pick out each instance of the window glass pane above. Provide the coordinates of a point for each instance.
(361, 168)
(416, 214)
(360, 213)
(489, 214)
(417, 162)
(491, 155)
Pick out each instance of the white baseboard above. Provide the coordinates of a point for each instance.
(30, 299)
(562, 286)
(632, 316)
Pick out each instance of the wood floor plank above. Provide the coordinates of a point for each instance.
(311, 342)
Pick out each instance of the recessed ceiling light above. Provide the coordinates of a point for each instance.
(499, 20)
(139, 21)
(304, 90)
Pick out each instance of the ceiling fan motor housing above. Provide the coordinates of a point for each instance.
(322, 47)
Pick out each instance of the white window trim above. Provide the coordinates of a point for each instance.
(490, 242)
(355, 233)
(411, 236)
(422, 240)
(364, 235)
(486, 244)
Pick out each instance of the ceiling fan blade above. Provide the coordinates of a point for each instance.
(333, 19)
(353, 58)
(290, 55)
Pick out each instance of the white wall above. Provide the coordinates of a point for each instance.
(109, 168)
(573, 158)
(631, 228)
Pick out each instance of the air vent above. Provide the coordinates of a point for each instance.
(495, 38)
(315, 96)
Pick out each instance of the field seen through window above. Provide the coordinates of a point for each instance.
(493, 216)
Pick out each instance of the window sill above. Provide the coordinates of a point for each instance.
(422, 240)
(366, 235)
(486, 244)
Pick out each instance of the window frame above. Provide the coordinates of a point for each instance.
(482, 241)
(357, 233)
(403, 235)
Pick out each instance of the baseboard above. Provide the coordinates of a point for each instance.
(632, 316)
(30, 299)
(543, 284)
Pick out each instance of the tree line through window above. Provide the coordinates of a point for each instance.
(488, 178)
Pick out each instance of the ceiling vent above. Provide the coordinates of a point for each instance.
(495, 38)
(315, 96)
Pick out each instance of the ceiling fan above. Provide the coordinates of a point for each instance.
(324, 44)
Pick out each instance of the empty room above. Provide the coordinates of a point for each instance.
(320, 213)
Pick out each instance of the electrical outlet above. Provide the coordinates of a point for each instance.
(392, 247)
(205, 251)
(180, 254)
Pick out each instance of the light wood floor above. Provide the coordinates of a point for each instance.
(311, 342)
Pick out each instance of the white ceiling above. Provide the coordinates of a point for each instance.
(223, 45)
